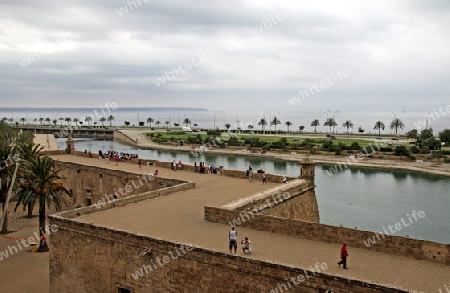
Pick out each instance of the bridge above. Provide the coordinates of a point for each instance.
(75, 132)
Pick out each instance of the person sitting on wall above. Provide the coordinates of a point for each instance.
(285, 179)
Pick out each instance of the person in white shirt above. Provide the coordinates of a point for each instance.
(233, 236)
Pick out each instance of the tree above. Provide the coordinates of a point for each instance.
(110, 120)
(6, 176)
(412, 134)
(275, 121)
(288, 124)
(186, 121)
(41, 120)
(347, 124)
(68, 120)
(158, 123)
(102, 120)
(54, 122)
(23, 120)
(47, 120)
(167, 123)
(176, 124)
(263, 123)
(315, 123)
(330, 122)
(40, 183)
(35, 120)
(76, 120)
(444, 136)
(61, 119)
(150, 121)
(396, 124)
(380, 126)
(127, 123)
(301, 127)
(88, 119)
(28, 152)
(250, 127)
(227, 126)
(141, 123)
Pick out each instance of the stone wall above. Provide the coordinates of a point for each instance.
(88, 258)
(304, 208)
(124, 138)
(295, 200)
(397, 245)
(89, 185)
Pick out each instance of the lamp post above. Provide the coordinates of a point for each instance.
(426, 127)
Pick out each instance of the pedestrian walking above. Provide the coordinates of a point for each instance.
(344, 254)
(117, 159)
(174, 165)
(264, 180)
(140, 163)
(232, 235)
(195, 166)
(250, 173)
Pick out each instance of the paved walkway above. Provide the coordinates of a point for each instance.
(179, 217)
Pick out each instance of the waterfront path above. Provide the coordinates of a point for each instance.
(179, 217)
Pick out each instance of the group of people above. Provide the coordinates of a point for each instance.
(232, 236)
(113, 155)
(174, 165)
(250, 174)
(212, 170)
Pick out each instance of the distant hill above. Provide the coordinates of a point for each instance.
(156, 109)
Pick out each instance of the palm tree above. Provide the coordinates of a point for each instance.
(158, 123)
(34, 120)
(6, 176)
(330, 122)
(68, 120)
(315, 123)
(167, 123)
(102, 120)
(288, 124)
(380, 126)
(263, 124)
(275, 121)
(396, 124)
(54, 122)
(347, 124)
(4, 119)
(76, 121)
(186, 121)
(250, 127)
(150, 121)
(28, 153)
(110, 119)
(41, 184)
(227, 126)
(23, 120)
(61, 119)
(301, 127)
(47, 120)
(41, 120)
(88, 119)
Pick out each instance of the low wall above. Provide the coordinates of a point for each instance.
(402, 246)
(89, 258)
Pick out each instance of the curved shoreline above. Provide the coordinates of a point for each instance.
(143, 142)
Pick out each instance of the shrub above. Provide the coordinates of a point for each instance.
(326, 145)
(355, 146)
(414, 149)
(386, 149)
(447, 160)
(401, 150)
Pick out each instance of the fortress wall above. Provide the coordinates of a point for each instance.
(303, 207)
(89, 258)
(124, 138)
(99, 184)
(295, 200)
(397, 245)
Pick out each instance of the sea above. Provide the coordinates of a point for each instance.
(240, 118)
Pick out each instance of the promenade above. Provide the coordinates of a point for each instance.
(179, 217)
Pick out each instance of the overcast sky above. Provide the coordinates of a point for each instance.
(224, 55)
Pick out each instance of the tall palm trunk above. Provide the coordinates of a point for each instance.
(43, 247)
(30, 210)
(5, 222)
